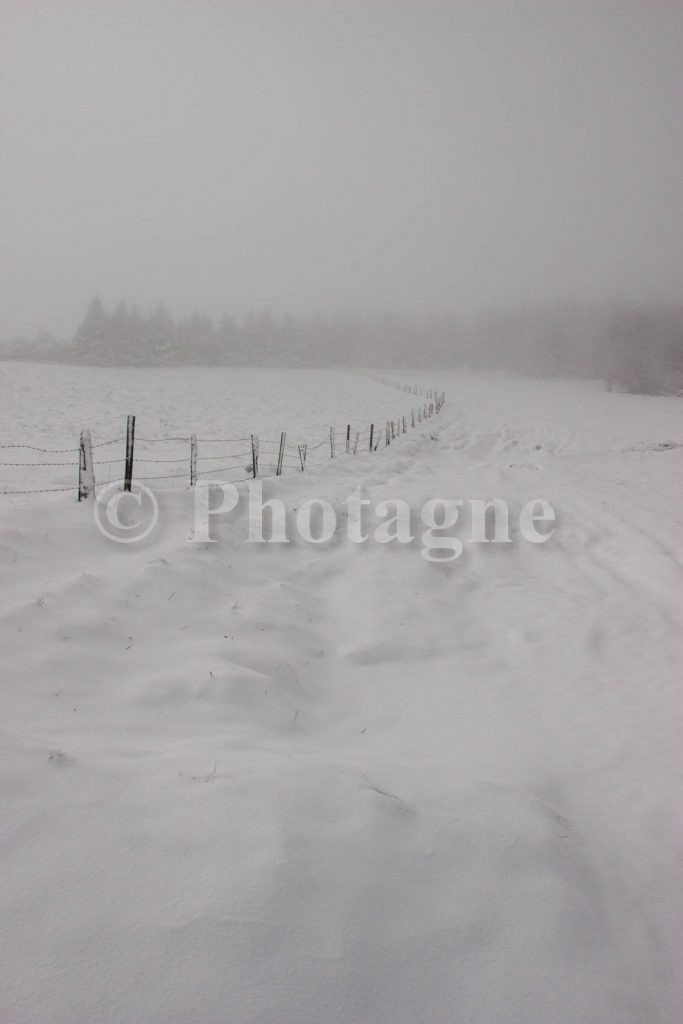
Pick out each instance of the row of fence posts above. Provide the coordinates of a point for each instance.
(86, 469)
(408, 389)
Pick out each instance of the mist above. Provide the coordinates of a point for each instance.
(329, 157)
(341, 511)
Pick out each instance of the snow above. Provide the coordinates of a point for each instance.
(49, 405)
(335, 783)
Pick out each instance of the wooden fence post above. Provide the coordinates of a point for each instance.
(348, 438)
(405, 426)
(130, 444)
(387, 435)
(280, 454)
(372, 434)
(193, 460)
(302, 456)
(86, 472)
(331, 442)
(355, 443)
(254, 455)
(412, 418)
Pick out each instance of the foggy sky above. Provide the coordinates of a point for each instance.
(322, 155)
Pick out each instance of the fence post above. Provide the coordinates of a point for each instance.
(86, 472)
(412, 418)
(405, 426)
(348, 438)
(331, 442)
(130, 444)
(372, 434)
(355, 443)
(193, 460)
(254, 455)
(302, 456)
(280, 454)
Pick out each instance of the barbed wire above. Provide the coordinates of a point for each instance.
(39, 464)
(160, 440)
(47, 451)
(210, 458)
(102, 444)
(114, 462)
(274, 453)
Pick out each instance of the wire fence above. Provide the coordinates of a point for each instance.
(27, 469)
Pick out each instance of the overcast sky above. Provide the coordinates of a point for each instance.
(361, 154)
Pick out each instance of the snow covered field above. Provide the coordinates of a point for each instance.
(50, 405)
(303, 784)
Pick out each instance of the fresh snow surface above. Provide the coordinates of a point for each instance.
(49, 406)
(337, 784)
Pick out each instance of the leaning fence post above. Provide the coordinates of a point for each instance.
(348, 438)
(372, 434)
(254, 455)
(280, 454)
(130, 443)
(331, 442)
(302, 456)
(193, 460)
(86, 472)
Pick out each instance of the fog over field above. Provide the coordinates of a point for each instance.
(341, 511)
(328, 165)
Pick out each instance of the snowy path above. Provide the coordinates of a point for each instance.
(295, 785)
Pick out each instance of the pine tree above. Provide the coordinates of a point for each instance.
(92, 338)
(161, 336)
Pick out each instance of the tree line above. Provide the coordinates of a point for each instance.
(635, 347)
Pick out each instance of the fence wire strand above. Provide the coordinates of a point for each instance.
(294, 455)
